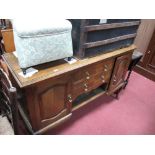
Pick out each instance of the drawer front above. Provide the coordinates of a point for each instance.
(87, 73)
(91, 77)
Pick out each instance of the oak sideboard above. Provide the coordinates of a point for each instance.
(50, 96)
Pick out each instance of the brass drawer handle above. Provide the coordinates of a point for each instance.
(86, 89)
(103, 78)
(85, 85)
(70, 98)
(88, 75)
(105, 68)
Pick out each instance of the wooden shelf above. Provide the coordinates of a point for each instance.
(110, 26)
(84, 99)
(108, 41)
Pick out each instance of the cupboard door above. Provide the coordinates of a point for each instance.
(149, 58)
(151, 61)
(119, 72)
(51, 101)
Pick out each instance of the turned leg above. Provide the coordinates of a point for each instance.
(127, 79)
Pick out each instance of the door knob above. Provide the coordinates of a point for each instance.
(114, 79)
(70, 98)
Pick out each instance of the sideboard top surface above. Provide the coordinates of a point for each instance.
(55, 68)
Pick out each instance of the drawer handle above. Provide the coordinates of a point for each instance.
(87, 73)
(85, 85)
(88, 77)
(86, 89)
(105, 68)
(70, 98)
(102, 78)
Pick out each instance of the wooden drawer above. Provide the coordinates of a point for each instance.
(87, 73)
(91, 77)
